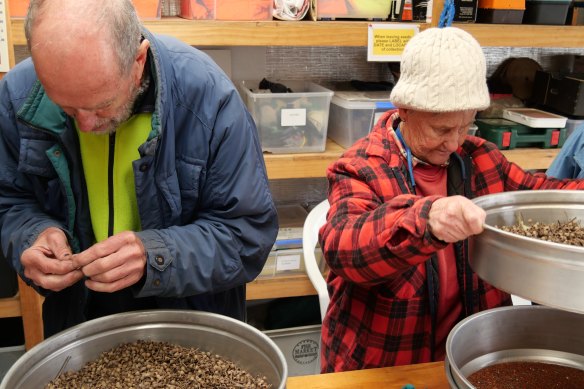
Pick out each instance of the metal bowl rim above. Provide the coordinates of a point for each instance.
(49, 345)
(453, 367)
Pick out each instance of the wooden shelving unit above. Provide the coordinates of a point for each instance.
(339, 33)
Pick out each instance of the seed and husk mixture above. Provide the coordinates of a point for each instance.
(568, 232)
(528, 374)
(149, 364)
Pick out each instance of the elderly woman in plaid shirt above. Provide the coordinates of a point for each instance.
(396, 233)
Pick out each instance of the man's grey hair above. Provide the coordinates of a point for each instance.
(118, 17)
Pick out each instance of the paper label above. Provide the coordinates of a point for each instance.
(386, 42)
(293, 117)
(288, 262)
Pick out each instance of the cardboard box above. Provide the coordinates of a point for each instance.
(243, 9)
(148, 9)
(197, 9)
(341, 9)
(18, 8)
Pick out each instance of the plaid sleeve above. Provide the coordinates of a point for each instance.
(375, 229)
(494, 174)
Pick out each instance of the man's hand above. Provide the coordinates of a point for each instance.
(455, 218)
(48, 263)
(113, 264)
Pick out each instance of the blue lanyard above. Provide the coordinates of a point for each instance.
(408, 157)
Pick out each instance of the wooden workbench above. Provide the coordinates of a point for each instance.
(421, 376)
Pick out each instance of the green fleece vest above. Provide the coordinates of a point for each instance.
(95, 156)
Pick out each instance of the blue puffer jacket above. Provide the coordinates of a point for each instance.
(569, 163)
(207, 215)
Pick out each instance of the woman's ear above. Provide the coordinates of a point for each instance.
(403, 114)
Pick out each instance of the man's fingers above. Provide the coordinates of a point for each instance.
(35, 257)
(56, 282)
(112, 286)
(101, 249)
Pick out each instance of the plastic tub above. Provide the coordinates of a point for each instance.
(535, 118)
(509, 135)
(295, 122)
(546, 12)
(353, 114)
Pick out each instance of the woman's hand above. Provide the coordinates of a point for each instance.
(455, 218)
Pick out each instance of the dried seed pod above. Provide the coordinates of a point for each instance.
(568, 232)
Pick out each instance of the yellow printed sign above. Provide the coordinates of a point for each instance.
(387, 42)
(390, 41)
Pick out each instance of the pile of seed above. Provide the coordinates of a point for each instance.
(569, 232)
(532, 375)
(147, 364)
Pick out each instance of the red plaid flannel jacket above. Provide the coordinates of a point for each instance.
(376, 244)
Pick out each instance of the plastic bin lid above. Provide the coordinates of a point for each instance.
(362, 100)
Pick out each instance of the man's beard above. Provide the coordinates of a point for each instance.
(124, 113)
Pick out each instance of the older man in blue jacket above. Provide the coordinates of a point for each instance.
(132, 176)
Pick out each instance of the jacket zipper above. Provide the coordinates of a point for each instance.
(110, 184)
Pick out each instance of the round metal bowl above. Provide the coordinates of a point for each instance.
(544, 272)
(521, 333)
(239, 342)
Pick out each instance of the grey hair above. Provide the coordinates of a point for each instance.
(118, 17)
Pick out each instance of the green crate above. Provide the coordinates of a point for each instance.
(508, 135)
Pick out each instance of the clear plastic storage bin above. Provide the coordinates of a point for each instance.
(294, 122)
(289, 262)
(353, 114)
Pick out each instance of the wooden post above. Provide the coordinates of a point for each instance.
(437, 6)
(31, 308)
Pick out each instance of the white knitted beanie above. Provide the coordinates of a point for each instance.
(442, 70)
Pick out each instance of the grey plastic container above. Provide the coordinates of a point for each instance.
(71, 349)
(353, 114)
(301, 348)
(551, 12)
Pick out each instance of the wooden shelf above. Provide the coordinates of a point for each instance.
(10, 306)
(307, 165)
(281, 286)
(244, 33)
(281, 166)
(532, 159)
(333, 33)
(522, 35)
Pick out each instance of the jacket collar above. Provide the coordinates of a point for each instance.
(40, 112)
